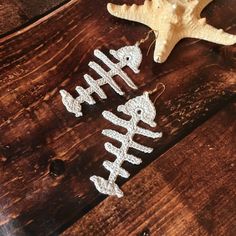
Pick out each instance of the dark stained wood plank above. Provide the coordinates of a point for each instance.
(11, 16)
(15, 13)
(35, 128)
(189, 190)
(34, 8)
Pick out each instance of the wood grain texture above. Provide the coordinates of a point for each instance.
(15, 13)
(35, 8)
(189, 190)
(11, 16)
(53, 53)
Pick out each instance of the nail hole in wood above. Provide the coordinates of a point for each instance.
(57, 168)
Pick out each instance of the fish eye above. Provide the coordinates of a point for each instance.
(139, 111)
(127, 58)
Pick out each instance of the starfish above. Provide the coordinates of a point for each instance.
(171, 21)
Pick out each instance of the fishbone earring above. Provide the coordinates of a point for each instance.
(142, 109)
(129, 56)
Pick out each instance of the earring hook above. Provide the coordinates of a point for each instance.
(143, 40)
(156, 89)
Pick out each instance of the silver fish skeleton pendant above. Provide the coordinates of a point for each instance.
(142, 109)
(129, 56)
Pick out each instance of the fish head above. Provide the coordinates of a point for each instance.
(131, 56)
(140, 107)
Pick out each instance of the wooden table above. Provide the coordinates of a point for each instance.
(187, 186)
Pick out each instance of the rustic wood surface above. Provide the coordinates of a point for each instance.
(47, 155)
(18, 13)
(189, 190)
(11, 16)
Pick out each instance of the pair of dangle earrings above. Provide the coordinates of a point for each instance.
(140, 108)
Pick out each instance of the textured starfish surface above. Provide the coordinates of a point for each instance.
(171, 21)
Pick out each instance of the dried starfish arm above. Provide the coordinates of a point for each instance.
(164, 44)
(211, 34)
(200, 5)
(134, 12)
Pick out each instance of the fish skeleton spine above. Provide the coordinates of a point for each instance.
(129, 56)
(140, 109)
